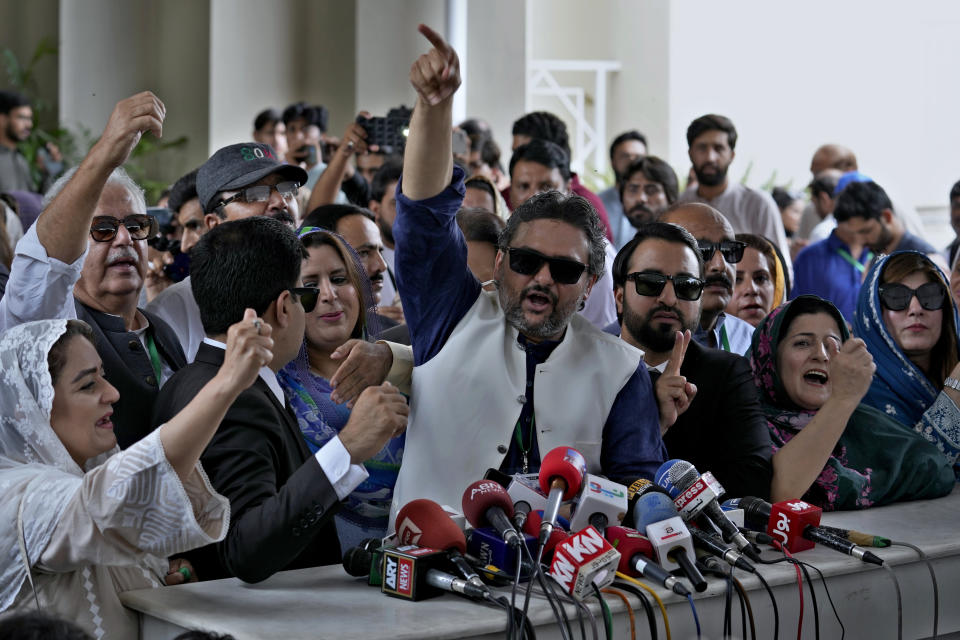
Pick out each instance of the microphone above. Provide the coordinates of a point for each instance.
(637, 489)
(486, 545)
(793, 523)
(415, 573)
(533, 527)
(561, 472)
(857, 537)
(633, 547)
(364, 561)
(424, 523)
(600, 503)
(486, 503)
(656, 515)
(525, 492)
(582, 560)
(714, 546)
(694, 494)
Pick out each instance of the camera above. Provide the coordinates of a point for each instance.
(390, 132)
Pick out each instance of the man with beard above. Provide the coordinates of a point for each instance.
(720, 251)
(238, 181)
(16, 123)
(721, 427)
(711, 139)
(383, 204)
(503, 377)
(626, 148)
(647, 188)
(85, 257)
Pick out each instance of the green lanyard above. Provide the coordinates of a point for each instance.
(724, 342)
(525, 452)
(154, 356)
(843, 253)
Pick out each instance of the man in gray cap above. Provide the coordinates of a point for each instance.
(238, 181)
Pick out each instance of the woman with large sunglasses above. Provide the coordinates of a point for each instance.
(339, 304)
(907, 318)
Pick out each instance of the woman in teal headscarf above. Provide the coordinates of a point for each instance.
(828, 448)
(907, 318)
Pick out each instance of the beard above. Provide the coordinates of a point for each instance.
(640, 214)
(656, 337)
(711, 179)
(556, 322)
(886, 236)
(284, 216)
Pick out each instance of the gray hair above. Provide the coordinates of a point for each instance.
(118, 177)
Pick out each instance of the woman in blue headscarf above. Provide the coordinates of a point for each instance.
(908, 319)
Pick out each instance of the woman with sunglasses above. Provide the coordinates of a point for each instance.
(908, 319)
(830, 448)
(339, 304)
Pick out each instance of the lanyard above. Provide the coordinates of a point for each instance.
(525, 452)
(724, 342)
(154, 356)
(843, 253)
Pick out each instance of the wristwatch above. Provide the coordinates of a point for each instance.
(953, 383)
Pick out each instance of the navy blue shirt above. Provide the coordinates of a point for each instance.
(823, 270)
(438, 290)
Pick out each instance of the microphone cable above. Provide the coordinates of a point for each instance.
(896, 584)
(626, 602)
(696, 618)
(513, 592)
(663, 609)
(787, 556)
(605, 609)
(843, 630)
(559, 612)
(776, 611)
(933, 579)
(645, 602)
(744, 601)
(527, 631)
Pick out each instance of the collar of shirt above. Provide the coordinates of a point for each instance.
(659, 367)
(266, 373)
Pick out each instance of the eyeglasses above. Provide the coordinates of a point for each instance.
(308, 297)
(138, 225)
(261, 193)
(528, 262)
(652, 284)
(896, 296)
(732, 250)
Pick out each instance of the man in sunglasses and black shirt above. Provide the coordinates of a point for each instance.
(86, 258)
(719, 250)
(720, 427)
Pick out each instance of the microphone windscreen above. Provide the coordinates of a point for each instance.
(566, 463)
(356, 562)
(675, 476)
(629, 543)
(532, 528)
(652, 507)
(482, 495)
(424, 523)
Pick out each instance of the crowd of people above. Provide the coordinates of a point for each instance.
(331, 329)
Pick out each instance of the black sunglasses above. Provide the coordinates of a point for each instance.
(261, 193)
(652, 284)
(308, 297)
(139, 226)
(528, 262)
(896, 296)
(732, 250)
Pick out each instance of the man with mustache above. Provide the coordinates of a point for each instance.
(503, 377)
(238, 181)
(720, 426)
(720, 251)
(711, 139)
(647, 187)
(85, 258)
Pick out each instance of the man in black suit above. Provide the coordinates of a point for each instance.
(720, 428)
(282, 499)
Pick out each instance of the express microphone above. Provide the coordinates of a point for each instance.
(635, 551)
(656, 515)
(415, 573)
(486, 503)
(793, 523)
(583, 560)
(561, 473)
(601, 502)
(694, 494)
(424, 523)
(714, 545)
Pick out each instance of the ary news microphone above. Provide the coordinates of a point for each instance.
(561, 473)
(635, 553)
(694, 494)
(793, 523)
(583, 560)
(715, 546)
(601, 503)
(486, 503)
(656, 515)
(524, 490)
(415, 573)
(424, 523)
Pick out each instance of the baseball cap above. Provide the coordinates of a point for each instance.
(847, 178)
(239, 165)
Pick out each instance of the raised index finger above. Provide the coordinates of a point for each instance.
(435, 39)
(676, 356)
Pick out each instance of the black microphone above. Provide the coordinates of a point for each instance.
(415, 573)
(711, 545)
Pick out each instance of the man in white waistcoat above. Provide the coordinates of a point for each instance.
(502, 377)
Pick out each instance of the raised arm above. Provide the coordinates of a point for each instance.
(428, 159)
(354, 141)
(65, 223)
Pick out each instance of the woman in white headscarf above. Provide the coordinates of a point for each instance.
(83, 520)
